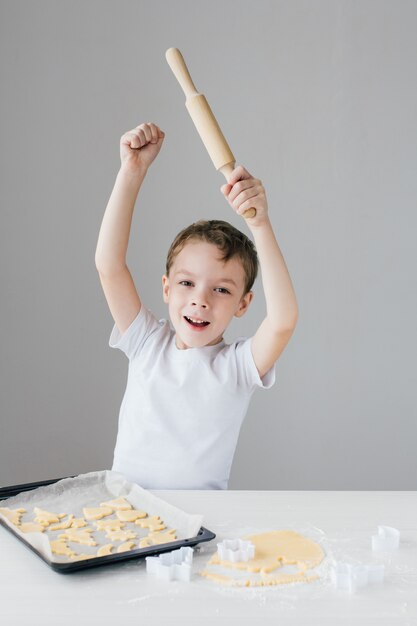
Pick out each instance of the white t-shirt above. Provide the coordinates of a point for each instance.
(182, 410)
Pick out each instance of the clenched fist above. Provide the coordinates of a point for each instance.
(140, 146)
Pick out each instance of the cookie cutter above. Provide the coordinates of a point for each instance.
(387, 539)
(175, 565)
(352, 577)
(235, 550)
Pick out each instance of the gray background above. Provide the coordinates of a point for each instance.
(318, 100)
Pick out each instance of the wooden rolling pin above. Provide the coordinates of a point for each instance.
(204, 120)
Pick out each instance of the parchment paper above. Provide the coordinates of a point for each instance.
(71, 495)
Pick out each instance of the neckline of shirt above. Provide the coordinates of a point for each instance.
(198, 352)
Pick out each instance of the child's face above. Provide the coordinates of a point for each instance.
(203, 287)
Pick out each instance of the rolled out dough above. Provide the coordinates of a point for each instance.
(273, 550)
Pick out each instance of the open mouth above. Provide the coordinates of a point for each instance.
(196, 323)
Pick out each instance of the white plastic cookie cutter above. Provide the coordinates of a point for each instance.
(175, 565)
(235, 550)
(352, 577)
(387, 539)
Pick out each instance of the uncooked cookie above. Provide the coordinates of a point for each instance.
(13, 515)
(125, 547)
(60, 547)
(31, 527)
(119, 504)
(273, 550)
(46, 518)
(153, 523)
(63, 525)
(109, 524)
(79, 536)
(120, 535)
(105, 550)
(156, 538)
(97, 512)
(130, 516)
(79, 522)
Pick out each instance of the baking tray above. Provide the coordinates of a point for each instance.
(66, 568)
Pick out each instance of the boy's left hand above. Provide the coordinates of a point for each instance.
(243, 192)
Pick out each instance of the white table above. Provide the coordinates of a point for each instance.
(341, 521)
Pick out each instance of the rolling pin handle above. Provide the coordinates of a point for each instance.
(180, 70)
(227, 170)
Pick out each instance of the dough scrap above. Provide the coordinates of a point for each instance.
(273, 550)
(120, 535)
(131, 516)
(105, 550)
(125, 547)
(97, 512)
(31, 527)
(13, 515)
(79, 536)
(109, 524)
(156, 538)
(119, 504)
(153, 523)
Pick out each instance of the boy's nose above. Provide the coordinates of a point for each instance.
(200, 299)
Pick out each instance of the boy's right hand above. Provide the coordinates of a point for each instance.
(140, 146)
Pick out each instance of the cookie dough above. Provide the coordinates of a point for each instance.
(31, 527)
(97, 512)
(273, 550)
(153, 523)
(109, 524)
(46, 518)
(105, 550)
(120, 535)
(130, 516)
(79, 536)
(60, 547)
(156, 538)
(119, 504)
(125, 547)
(78, 522)
(13, 515)
(63, 525)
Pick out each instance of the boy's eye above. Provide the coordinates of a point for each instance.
(222, 290)
(187, 283)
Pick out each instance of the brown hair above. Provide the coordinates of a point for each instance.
(227, 238)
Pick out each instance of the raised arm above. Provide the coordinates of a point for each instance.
(243, 192)
(138, 148)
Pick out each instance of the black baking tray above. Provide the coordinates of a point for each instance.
(66, 568)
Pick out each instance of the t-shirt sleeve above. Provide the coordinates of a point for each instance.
(247, 372)
(134, 337)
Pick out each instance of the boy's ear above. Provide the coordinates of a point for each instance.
(244, 304)
(165, 288)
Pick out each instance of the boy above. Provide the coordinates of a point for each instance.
(187, 391)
